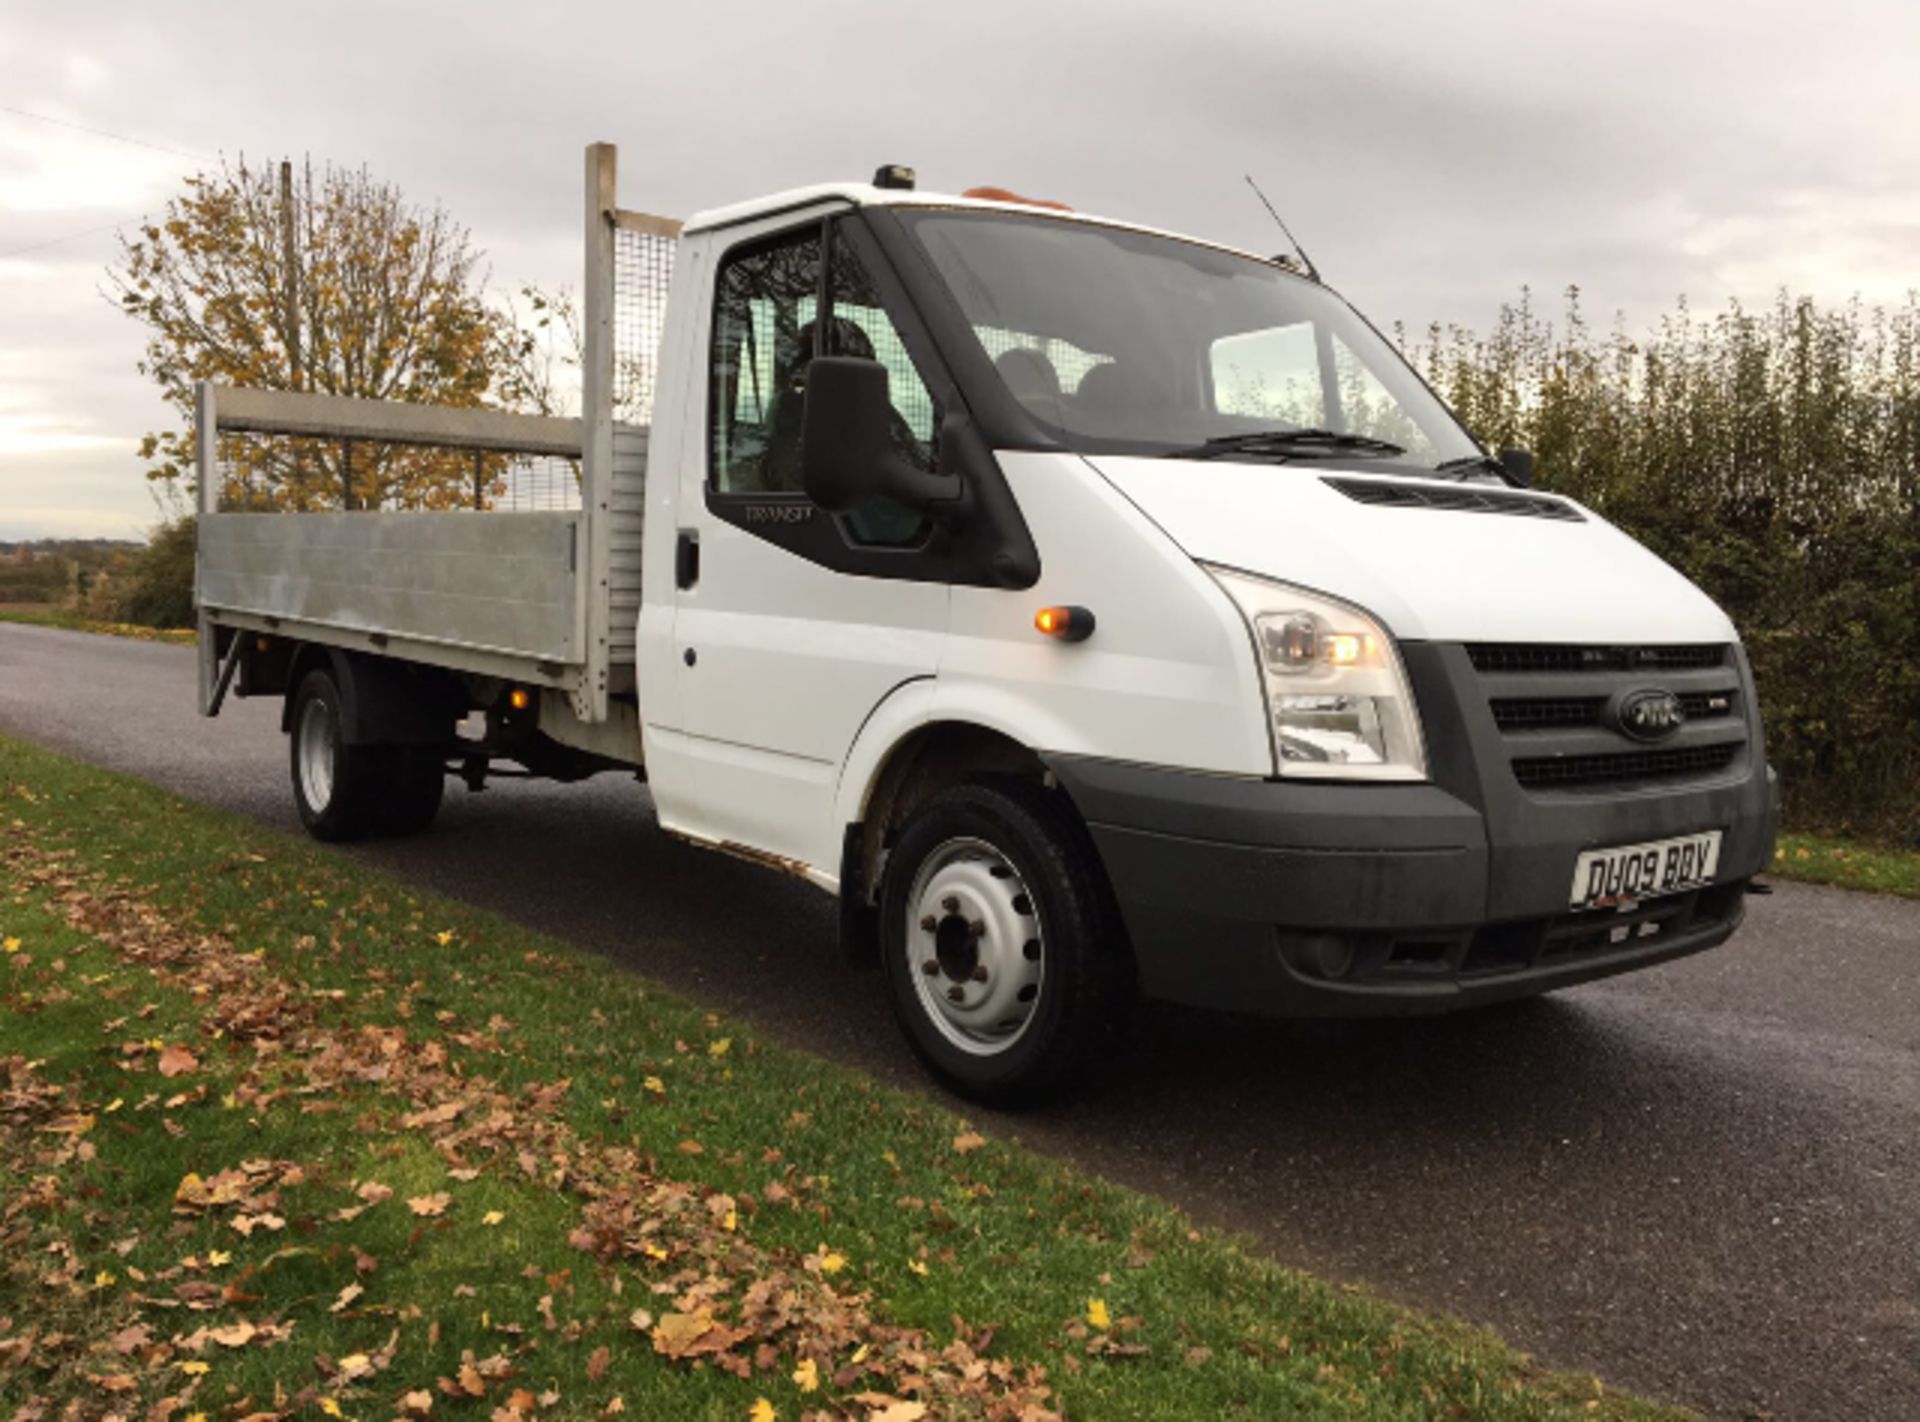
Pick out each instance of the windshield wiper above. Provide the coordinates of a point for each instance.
(1466, 464)
(1287, 444)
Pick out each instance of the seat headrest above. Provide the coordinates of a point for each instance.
(1113, 388)
(1029, 375)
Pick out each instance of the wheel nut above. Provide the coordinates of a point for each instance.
(956, 993)
(950, 904)
(976, 928)
(929, 923)
(931, 967)
(980, 973)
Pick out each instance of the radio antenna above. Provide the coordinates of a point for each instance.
(1306, 261)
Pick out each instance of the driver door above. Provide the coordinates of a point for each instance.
(781, 659)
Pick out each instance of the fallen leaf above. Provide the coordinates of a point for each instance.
(234, 1335)
(718, 1048)
(686, 1335)
(435, 1116)
(176, 1061)
(417, 1403)
(598, 1362)
(1097, 1315)
(761, 1411)
(347, 1296)
(806, 1376)
(492, 1217)
(968, 1141)
(430, 1205)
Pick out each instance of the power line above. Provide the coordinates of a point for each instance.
(97, 133)
(108, 133)
(70, 237)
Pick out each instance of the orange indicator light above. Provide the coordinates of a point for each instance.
(1344, 648)
(518, 698)
(1069, 624)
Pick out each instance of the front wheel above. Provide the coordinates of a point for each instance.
(1003, 955)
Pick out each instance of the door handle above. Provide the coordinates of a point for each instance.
(686, 559)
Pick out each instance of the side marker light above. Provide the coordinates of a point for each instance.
(1068, 624)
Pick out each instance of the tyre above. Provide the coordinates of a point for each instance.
(1003, 954)
(417, 779)
(337, 787)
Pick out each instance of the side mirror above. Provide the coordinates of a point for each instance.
(1517, 465)
(846, 449)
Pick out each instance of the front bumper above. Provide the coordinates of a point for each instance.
(1297, 898)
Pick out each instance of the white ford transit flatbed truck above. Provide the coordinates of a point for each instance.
(1096, 611)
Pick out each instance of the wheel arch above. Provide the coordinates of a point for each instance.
(381, 700)
(916, 743)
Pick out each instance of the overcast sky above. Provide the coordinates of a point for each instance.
(1433, 157)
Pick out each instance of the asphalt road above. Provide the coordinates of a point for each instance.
(1702, 1181)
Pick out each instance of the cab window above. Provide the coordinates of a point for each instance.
(763, 329)
(1369, 408)
(767, 330)
(1273, 375)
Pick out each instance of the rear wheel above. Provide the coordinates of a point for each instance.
(417, 781)
(1002, 954)
(343, 791)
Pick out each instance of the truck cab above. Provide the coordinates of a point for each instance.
(1101, 612)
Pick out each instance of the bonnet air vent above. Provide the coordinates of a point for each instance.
(1396, 493)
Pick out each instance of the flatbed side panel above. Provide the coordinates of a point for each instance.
(502, 582)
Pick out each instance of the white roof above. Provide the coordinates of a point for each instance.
(867, 195)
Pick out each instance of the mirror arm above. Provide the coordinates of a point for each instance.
(941, 495)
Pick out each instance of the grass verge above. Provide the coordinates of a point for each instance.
(1848, 864)
(67, 621)
(281, 1136)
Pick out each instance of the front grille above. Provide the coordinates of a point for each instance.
(1546, 713)
(1390, 493)
(1558, 713)
(1553, 657)
(1578, 772)
(1567, 736)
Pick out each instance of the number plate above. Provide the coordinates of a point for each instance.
(1604, 877)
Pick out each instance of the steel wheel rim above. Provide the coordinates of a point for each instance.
(316, 753)
(975, 946)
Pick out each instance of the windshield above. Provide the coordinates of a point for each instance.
(1128, 342)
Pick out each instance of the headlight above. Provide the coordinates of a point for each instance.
(1338, 702)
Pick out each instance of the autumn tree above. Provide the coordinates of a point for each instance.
(331, 282)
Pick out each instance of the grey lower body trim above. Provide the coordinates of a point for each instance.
(1315, 899)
